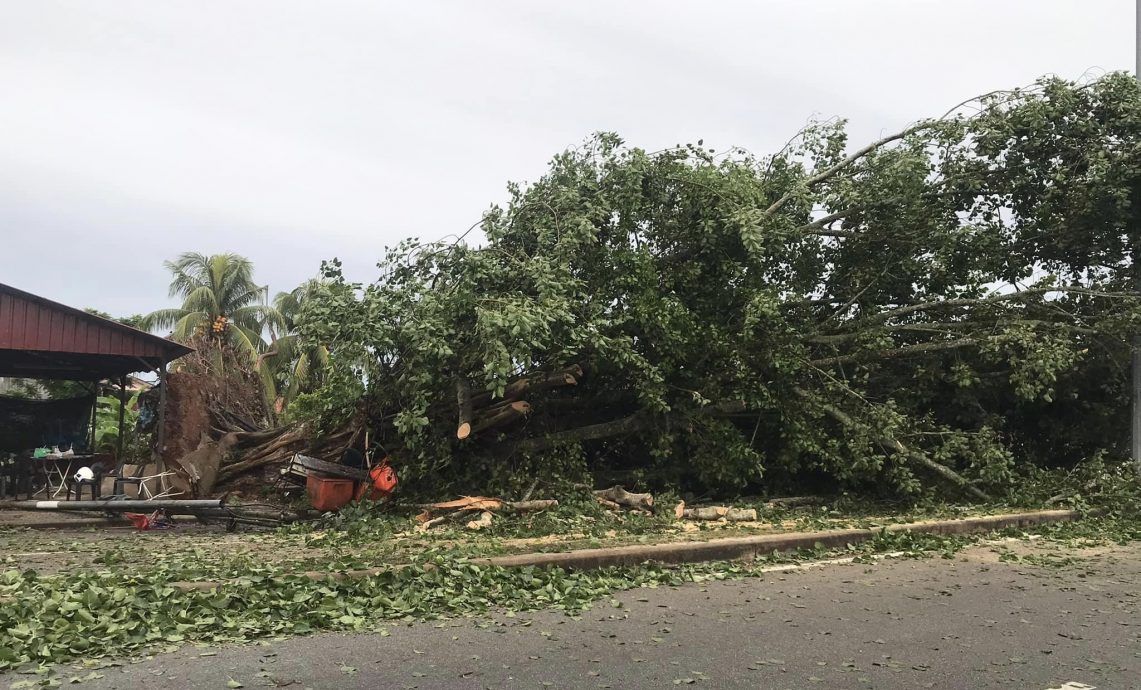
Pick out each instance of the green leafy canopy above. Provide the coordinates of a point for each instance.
(930, 310)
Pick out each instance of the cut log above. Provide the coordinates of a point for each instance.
(720, 513)
(464, 404)
(607, 504)
(429, 524)
(623, 497)
(483, 521)
(500, 415)
(679, 510)
(482, 503)
(466, 503)
(741, 515)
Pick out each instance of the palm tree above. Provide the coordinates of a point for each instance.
(293, 366)
(219, 300)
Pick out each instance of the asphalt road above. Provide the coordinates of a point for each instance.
(973, 622)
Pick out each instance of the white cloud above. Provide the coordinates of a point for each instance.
(295, 131)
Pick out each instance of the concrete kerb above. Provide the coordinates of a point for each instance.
(727, 549)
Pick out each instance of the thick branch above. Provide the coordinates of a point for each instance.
(819, 226)
(500, 415)
(618, 427)
(883, 316)
(905, 351)
(944, 326)
(533, 384)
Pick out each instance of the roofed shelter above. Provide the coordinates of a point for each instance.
(42, 339)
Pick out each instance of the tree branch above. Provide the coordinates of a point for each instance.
(908, 453)
(944, 326)
(618, 427)
(891, 353)
(830, 172)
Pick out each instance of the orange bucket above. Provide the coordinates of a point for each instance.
(328, 494)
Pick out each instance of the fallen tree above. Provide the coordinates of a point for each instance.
(922, 313)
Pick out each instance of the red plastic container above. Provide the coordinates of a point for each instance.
(328, 494)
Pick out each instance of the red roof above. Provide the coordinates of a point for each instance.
(40, 338)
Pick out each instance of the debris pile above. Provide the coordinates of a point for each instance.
(482, 508)
(232, 446)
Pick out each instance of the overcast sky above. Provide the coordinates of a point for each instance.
(290, 132)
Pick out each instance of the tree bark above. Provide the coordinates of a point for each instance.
(463, 402)
(246, 439)
(500, 415)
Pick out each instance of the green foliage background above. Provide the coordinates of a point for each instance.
(933, 311)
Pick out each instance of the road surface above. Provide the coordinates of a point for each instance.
(971, 622)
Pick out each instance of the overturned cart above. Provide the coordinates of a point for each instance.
(144, 513)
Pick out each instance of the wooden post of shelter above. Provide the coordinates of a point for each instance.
(160, 444)
(94, 410)
(122, 415)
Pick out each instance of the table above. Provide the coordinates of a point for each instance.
(53, 473)
(58, 469)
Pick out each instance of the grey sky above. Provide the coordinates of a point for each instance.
(288, 131)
